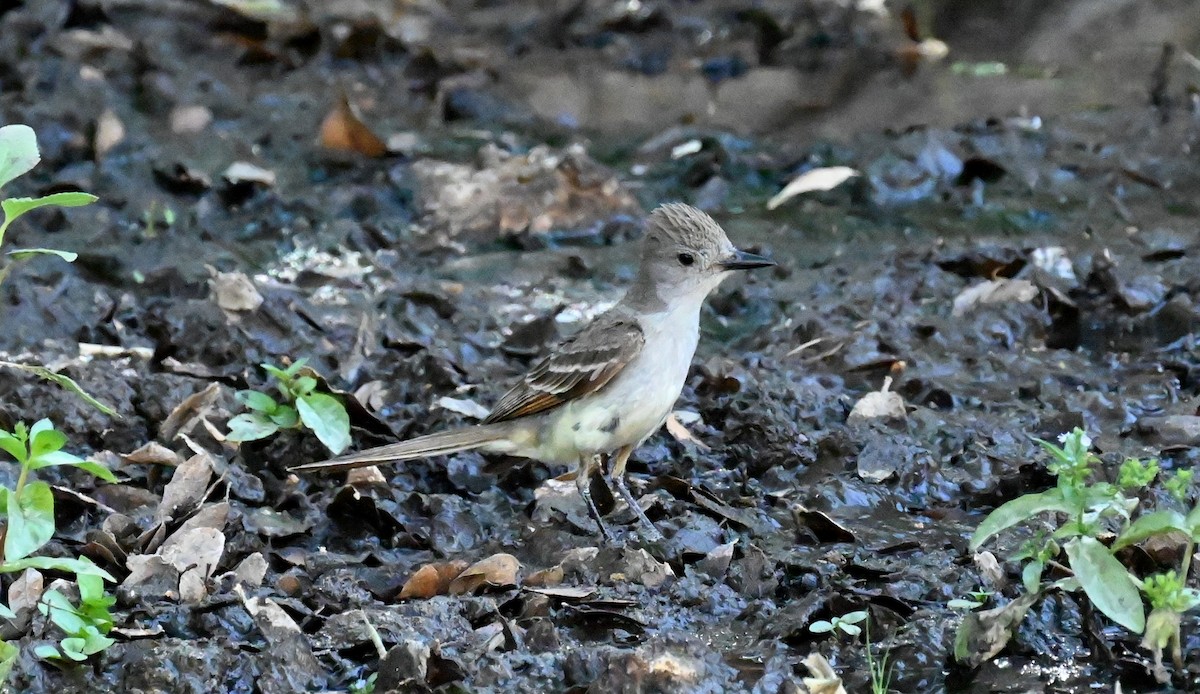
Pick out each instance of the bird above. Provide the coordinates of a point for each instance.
(603, 391)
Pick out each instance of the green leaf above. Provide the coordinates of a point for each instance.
(98, 470)
(260, 402)
(327, 418)
(60, 611)
(72, 647)
(1031, 575)
(1151, 524)
(43, 438)
(81, 566)
(13, 446)
(18, 152)
(277, 372)
(30, 520)
(1106, 583)
(963, 604)
(1016, 511)
(304, 385)
(54, 458)
(6, 613)
(851, 629)
(250, 427)
(47, 651)
(15, 207)
(63, 381)
(285, 417)
(1193, 523)
(854, 617)
(25, 253)
(8, 657)
(820, 626)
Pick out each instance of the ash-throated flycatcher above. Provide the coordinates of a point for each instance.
(612, 385)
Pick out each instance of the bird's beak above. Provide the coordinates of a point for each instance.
(741, 260)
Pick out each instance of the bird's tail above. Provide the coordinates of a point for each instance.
(440, 443)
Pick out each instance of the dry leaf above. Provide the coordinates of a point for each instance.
(234, 291)
(154, 453)
(185, 415)
(366, 477)
(109, 133)
(469, 408)
(432, 579)
(342, 130)
(825, 178)
(680, 433)
(984, 633)
(187, 486)
(993, 292)
(195, 554)
(546, 577)
(881, 403)
(251, 571)
(824, 680)
(497, 570)
(24, 593)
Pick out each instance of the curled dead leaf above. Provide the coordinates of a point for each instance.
(342, 130)
(432, 579)
(497, 570)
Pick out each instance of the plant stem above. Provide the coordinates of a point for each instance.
(21, 481)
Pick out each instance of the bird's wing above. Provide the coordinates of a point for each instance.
(579, 366)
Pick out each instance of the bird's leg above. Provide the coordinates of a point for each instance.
(583, 482)
(616, 477)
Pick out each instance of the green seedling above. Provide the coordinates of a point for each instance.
(28, 510)
(18, 155)
(879, 669)
(301, 406)
(974, 600)
(1087, 510)
(847, 624)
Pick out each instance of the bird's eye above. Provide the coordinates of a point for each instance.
(686, 258)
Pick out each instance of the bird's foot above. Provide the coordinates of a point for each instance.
(652, 532)
(585, 491)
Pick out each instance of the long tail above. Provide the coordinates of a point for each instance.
(440, 443)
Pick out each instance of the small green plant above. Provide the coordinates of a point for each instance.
(18, 154)
(974, 600)
(1086, 510)
(301, 406)
(28, 509)
(879, 669)
(847, 624)
(86, 625)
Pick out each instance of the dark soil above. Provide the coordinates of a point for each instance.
(401, 282)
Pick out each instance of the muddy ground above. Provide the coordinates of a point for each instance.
(524, 142)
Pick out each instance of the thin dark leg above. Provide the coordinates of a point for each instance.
(616, 478)
(583, 482)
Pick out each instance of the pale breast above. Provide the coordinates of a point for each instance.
(637, 401)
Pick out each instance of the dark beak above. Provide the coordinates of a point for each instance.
(741, 260)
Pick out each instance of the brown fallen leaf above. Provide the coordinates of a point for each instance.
(497, 570)
(993, 292)
(154, 453)
(983, 634)
(187, 487)
(432, 579)
(234, 291)
(545, 578)
(189, 412)
(343, 130)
